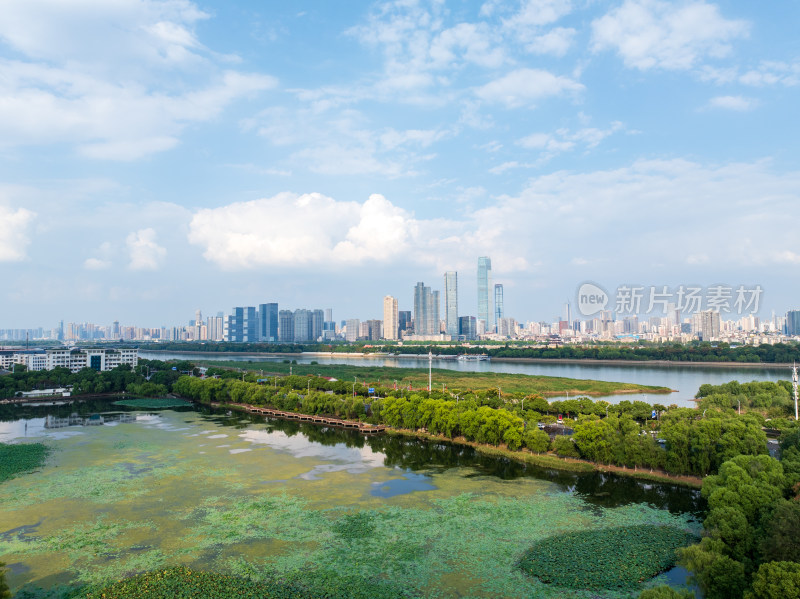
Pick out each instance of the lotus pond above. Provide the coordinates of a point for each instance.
(265, 500)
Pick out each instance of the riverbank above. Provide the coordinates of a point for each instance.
(578, 361)
(546, 460)
(551, 460)
(665, 363)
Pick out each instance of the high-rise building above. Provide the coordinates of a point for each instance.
(420, 315)
(372, 329)
(353, 326)
(242, 325)
(793, 322)
(507, 327)
(286, 326)
(317, 323)
(467, 327)
(432, 311)
(215, 328)
(426, 310)
(328, 325)
(705, 324)
(451, 302)
(498, 306)
(404, 320)
(484, 280)
(391, 324)
(268, 322)
(302, 325)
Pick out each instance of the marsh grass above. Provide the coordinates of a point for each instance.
(453, 379)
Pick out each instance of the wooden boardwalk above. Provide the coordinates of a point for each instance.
(361, 427)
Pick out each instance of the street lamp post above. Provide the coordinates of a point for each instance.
(430, 370)
(354, 386)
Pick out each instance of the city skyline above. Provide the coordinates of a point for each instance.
(160, 155)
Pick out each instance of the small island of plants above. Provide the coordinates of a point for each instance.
(20, 458)
(611, 559)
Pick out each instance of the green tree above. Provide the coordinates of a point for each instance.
(665, 592)
(564, 447)
(5, 592)
(780, 540)
(536, 440)
(776, 580)
(717, 575)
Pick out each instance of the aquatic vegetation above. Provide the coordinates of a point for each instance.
(183, 582)
(19, 458)
(611, 558)
(168, 491)
(154, 403)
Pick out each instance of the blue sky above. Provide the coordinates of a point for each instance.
(162, 156)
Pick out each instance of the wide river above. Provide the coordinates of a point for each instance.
(685, 380)
(253, 496)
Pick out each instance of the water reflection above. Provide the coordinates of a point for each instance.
(343, 450)
(419, 456)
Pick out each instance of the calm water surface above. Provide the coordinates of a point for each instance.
(248, 495)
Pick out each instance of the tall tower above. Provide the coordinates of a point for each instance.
(498, 306)
(421, 308)
(451, 302)
(484, 279)
(391, 323)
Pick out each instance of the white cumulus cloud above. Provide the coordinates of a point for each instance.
(144, 252)
(669, 35)
(117, 80)
(14, 240)
(737, 103)
(524, 86)
(299, 230)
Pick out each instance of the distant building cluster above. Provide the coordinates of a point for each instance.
(74, 359)
(266, 323)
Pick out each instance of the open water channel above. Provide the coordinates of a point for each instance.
(249, 495)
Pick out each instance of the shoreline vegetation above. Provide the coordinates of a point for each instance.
(454, 380)
(380, 355)
(695, 352)
(524, 456)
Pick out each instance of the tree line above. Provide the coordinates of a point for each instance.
(695, 351)
(88, 381)
(680, 441)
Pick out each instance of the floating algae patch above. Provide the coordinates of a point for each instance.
(185, 582)
(140, 496)
(154, 403)
(621, 558)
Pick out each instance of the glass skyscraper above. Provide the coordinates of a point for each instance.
(451, 302)
(426, 310)
(498, 306)
(484, 278)
(268, 322)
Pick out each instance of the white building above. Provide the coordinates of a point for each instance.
(100, 359)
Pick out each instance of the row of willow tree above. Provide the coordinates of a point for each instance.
(679, 441)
